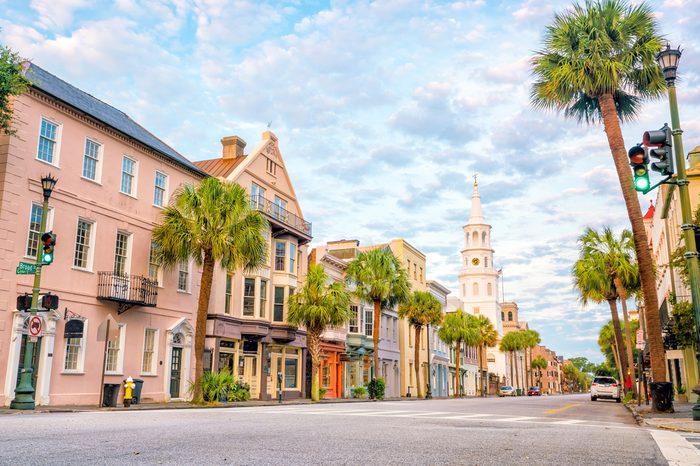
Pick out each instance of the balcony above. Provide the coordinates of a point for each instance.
(126, 290)
(281, 220)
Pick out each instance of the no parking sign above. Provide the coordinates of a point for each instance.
(35, 325)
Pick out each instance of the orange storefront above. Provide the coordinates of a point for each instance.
(331, 370)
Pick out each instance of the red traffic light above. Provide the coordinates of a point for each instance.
(637, 155)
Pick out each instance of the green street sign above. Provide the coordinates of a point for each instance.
(25, 268)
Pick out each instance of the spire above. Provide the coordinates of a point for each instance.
(476, 216)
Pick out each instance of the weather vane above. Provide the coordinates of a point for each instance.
(475, 183)
(269, 124)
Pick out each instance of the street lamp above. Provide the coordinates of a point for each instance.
(668, 59)
(24, 392)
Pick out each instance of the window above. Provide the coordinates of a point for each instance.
(183, 277)
(249, 297)
(483, 237)
(510, 316)
(290, 371)
(148, 365)
(263, 297)
(91, 159)
(75, 351)
(415, 272)
(368, 321)
(503, 317)
(420, 276)
(476, 310)
(128, 174)
(34, 229)
(326, 376)
(280, 208)
(160, 189)
(475, 289)
(229, 292)
(83, 236)
(114, 360)
(280, 251)
(154, 263)
(279, 304)
(121, 252)
(48, 137)
(464, 289)
(271, 167)
(486, 261)
(257, 196)
(352, 328)
(489, 289)
(292, 257)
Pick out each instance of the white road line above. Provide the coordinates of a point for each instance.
(568, 422)
(516, 419)
(376, 413)
(677, 450)
(429, 413)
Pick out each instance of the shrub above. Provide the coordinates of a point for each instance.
(222, 386)
(680, 389)
(322, 392)
(376, 389)
(359, 392)
(629, 397)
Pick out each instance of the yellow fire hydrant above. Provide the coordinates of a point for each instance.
(128, 391)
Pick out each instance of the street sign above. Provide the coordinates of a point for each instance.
(640, 339)
(25, 268)
(35, 324)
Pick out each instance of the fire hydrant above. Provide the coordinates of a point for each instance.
(128, 391)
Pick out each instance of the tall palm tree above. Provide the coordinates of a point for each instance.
(539, 364)
(318, 305)
(598, 63)
(380, 279)
(532, 339)
(508, 345)
(594, 285)
(606, 339)
(459, 328)
(421, 308)
(616, 257)
(210, 223)
(488, 336)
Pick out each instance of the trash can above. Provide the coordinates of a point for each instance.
(136, 396)
(662, 396)
(111, 395)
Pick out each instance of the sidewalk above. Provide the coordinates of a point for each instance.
(681, 420)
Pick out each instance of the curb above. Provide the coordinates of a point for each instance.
(637, 417)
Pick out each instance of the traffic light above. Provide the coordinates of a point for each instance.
(662, 145)
(48, 241)
(24, 302)
(49, 301)
(639, 160)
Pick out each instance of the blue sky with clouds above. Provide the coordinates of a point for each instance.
(384, 111)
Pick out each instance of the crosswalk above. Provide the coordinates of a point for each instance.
(679, 449)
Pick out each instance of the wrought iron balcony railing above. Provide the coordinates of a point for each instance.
(279, 213)
(126, 290)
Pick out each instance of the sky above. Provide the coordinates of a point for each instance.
(384, 111)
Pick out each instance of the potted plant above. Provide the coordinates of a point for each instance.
(322, 392)
(680, 394)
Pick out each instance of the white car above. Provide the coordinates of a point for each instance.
(507, 390)
(605, 387)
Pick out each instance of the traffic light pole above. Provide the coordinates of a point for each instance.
(691, 254)
(24, 393)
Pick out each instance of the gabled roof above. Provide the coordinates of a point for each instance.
(650, 211)
(105, 113)
(220, 168)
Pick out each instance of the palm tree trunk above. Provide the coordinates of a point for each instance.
(313, 341)
(481, 371)
(458, 386)
(416, 359)
(512, 363)
(200, 330)
(630, 349)
(619, 342)
(616, 355)
(641, 243)
(517, 369)
(375, 337)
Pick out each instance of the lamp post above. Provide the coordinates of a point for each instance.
(429, 391)
(668, 59)
(24, 392)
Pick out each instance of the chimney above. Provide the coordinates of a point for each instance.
(232, 147)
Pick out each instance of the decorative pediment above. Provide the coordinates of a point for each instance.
(271, 151)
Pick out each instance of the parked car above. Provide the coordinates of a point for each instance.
(507, 390)
(605, 387)
(534, 391)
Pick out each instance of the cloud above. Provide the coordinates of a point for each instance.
(56, 14)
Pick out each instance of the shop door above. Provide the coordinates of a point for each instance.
(35, 359)
(249, 374)
(175, 372)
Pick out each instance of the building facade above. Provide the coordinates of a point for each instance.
(439, 350)
(247, 329)
(114, 178)
(549, 379)
(511, 323)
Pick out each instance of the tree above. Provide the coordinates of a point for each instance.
(509, 345)
(615, 256)
(538, 364)
(210, 223)
(421, 308)
(380, 279)
(684, 324)
(608, 345)
(317, 306)
(532, 339)
(12, 83)
(598, 63)
(459, 328)
(488, 336)
(583, 364)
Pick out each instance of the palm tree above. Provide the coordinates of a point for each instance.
(379, 278)
(508, 345)
(598, 63)
(594, 285)
(317, 306)
(539, 364)
(459, 328)
(210, 223)
(488, 336)
(606, 339)
(421, 308)
(616, 257)
(532, 339)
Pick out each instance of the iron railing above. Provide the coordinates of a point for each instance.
(128, 289)
(280, 214)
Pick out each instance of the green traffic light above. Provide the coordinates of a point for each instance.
(642, 183)
(47, 259)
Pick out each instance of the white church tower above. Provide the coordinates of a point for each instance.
(478, 279)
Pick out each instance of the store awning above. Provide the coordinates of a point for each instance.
(74, 329)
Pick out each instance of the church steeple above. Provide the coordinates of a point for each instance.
(476, 216)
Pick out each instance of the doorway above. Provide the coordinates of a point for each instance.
(175, 372)
(35, 360)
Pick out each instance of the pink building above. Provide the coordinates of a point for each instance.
(114, 177)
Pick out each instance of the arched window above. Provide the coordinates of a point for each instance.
(486, 261)
(475, 238)
(489, 289)
(466, 238)
(475, 289)
(503, 317)
(483, 237)
(510, 316)
(464, 290)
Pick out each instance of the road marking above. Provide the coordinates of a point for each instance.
(516, 419)
(466, 416)
(677, 450)
(556, 410)
(568, 422)
(429, 413)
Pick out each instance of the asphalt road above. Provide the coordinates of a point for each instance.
(552, 430)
